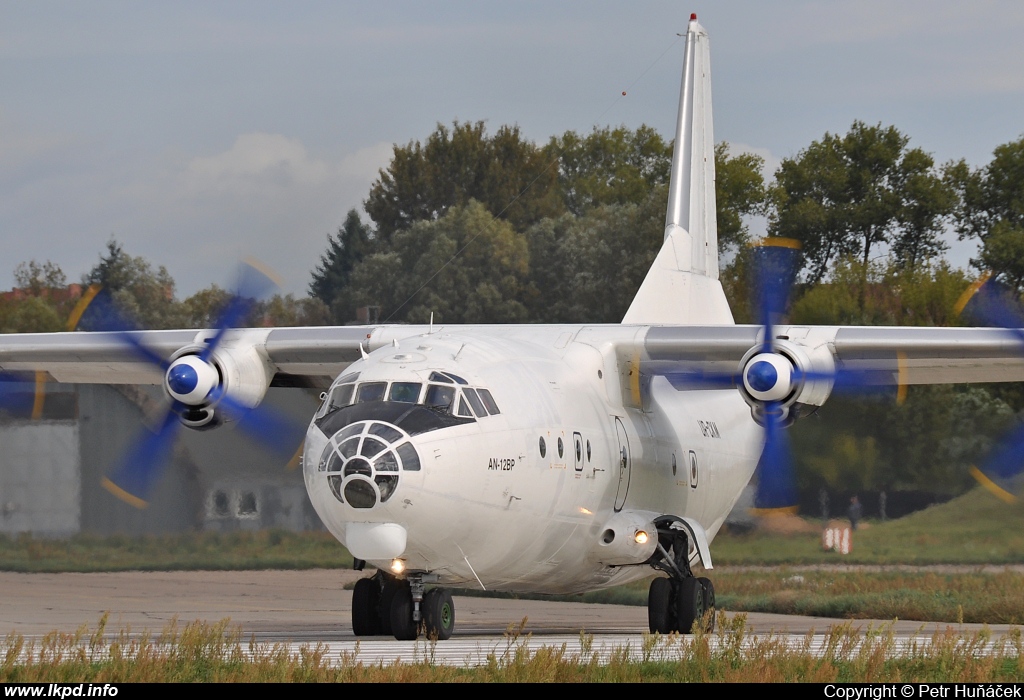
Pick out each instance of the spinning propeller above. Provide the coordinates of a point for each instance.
(775, 373)
(992, 304)
(195, 384)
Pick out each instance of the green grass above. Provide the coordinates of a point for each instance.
(975, 528)
(996, 598)
(204, 652)
(273, 549)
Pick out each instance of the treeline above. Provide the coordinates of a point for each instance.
(43, 301)
(486, 228)
(474, 227)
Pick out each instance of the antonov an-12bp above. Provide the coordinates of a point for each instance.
(540, 459)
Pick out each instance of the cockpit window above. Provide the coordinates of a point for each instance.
(385, 431)
(349, 378)
(440, 396)
(404, 392)
(488, 400)
(475, 401)
(464, 408)
(457, 378)
(340, 396)
(371, 391)
(438, 377)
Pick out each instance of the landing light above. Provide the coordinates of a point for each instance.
(585, 511)
(640, 537)
(397, 566)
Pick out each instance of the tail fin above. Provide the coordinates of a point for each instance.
(682, 285)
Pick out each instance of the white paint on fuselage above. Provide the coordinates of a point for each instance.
(536, 526)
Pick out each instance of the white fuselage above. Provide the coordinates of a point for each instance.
(488, 505)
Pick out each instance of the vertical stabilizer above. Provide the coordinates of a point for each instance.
(682, 285)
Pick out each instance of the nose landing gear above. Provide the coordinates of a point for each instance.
(677, 603)
(383, 604)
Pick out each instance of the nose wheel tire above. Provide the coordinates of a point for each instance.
(438, 614)
(366, 608)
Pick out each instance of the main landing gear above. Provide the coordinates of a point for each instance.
(677, 603)
(383, 604)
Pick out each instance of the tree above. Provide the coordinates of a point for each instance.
(353, 241)
(510, 176)
(203, 309)
(925, 295)
(465, 267)
(285, 310)
(141, 294)
(34, 314)
(991, 209)
(619, 166)
(739, 192)
(39, 279)
(848, 195)
(588, 269)
(609, 166)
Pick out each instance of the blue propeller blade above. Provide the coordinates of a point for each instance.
(270, 427)
(776, 488)
(101, 313)
(990, 303)
(775, 264)
(17, 393)
(254, 283)
(143, 463)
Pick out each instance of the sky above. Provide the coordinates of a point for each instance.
(198, 133)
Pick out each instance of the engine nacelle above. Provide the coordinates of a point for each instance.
(791, 374)
(236, 370)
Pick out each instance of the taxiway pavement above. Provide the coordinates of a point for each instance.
(313, 605)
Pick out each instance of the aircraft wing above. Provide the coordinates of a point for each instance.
(108, 358)
(881, 354)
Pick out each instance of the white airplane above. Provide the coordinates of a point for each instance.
(539, 458)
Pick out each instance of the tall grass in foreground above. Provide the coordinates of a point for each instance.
(218, 653)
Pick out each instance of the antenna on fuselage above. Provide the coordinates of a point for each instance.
(362, 352)
(394, 342)
(431, 323)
